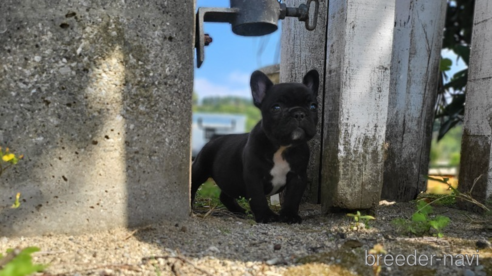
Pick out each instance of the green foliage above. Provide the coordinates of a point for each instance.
(208, 195)
(19, 262)
(358, 217)
(16, 262)
(448, 148)
(445, 64)
(457, 38)
(422, 222)
(244, 202)
(235, 105)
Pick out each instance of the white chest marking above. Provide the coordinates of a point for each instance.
(279, 170)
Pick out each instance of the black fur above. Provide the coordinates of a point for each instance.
(241, 164)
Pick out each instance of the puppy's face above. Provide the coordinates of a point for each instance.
(289, 110)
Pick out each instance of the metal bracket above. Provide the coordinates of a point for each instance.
(225, 15)
(244, 22)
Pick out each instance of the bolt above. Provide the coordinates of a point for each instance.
(208, 39)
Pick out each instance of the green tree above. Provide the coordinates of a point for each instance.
(232, 105)
(457, 38)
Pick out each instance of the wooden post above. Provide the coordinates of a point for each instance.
(417, 47)
(303, 50)
(359, 45)
(476, 144)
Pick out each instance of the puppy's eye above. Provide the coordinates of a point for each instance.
(276, 107)
(313, 106)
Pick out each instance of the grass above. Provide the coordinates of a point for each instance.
(207, 198)
(207, 195)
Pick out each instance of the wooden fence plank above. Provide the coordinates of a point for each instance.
(476, 151)
(417, 47)
(359, 46)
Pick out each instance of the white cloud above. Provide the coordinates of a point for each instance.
(204, 88)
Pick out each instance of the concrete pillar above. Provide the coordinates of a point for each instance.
(359, 46)
(417, 45)
(476, 151)
(301, 51)
(97, 96)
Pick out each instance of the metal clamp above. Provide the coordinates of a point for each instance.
(302, 12)
(250, 18)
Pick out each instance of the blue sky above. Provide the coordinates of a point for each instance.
(230, 59)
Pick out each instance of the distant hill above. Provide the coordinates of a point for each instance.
(231, 104)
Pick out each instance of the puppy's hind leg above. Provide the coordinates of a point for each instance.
(231, 204)
(198, 176)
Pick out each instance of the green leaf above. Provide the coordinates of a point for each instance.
(445, 64)
(367, 217)
(463, 52)
(448, 124)
(439, 222)
(418, 217)
(458, 81)
(423, 207)
(21, 264)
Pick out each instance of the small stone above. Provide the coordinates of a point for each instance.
(183, 229)
(468, 272)
(479, 268)
(65, 70)
(482, 244)
(37, 58)
(213, 249)
(273, 261)
(353, 244)
(277, 246)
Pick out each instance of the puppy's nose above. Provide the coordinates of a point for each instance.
(299, 115)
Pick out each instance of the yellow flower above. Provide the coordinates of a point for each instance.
(8, 157)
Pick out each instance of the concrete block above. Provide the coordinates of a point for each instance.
(97, 96)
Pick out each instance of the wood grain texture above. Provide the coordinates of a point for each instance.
(417, 47)
(476, 145)
(359, 46)
(301, 51)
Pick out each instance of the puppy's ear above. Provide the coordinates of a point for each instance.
(260, 84)
(311, 80)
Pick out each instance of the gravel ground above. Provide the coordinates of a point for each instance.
(220, 244)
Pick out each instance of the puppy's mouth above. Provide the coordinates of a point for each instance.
(298, 134)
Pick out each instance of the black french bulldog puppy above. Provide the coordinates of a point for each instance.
(272, 158)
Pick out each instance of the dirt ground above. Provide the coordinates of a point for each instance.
(217, 243)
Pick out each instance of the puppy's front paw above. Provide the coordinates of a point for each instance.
(267, 218)
(290, 219)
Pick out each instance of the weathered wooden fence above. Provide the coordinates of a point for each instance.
(414, 78)
(476, 153)
(380, 63)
